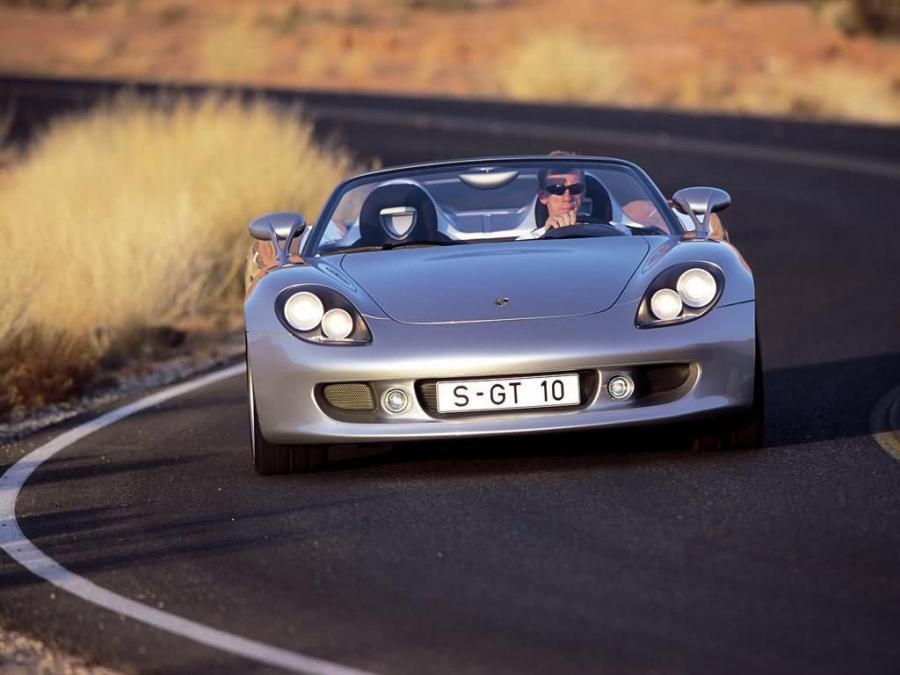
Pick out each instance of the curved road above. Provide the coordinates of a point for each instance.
(570, 553)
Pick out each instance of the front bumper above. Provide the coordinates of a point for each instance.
(720, 348)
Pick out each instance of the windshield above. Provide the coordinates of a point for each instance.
(456, 204)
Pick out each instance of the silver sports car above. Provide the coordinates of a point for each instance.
(497, 296)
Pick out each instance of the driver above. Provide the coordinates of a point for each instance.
(561, 191)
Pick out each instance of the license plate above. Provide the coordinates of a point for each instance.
(545, 391)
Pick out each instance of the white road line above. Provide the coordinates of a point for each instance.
(885, 423)
(14, 542)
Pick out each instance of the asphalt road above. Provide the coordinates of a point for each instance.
(597, 552)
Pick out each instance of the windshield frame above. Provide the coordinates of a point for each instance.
(537, 161)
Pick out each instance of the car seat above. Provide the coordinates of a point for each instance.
(371, 230)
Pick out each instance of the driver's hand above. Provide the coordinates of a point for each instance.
(563, 220)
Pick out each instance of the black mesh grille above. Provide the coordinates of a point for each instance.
(350, 396)
(427, 395)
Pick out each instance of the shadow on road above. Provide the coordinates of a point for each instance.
(828, 401)
(806, 404)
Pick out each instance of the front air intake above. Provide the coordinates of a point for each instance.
(351, 396)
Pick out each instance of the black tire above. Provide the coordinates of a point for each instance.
(744, 431)
(270, 459)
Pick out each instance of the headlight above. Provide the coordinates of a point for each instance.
(697, 287)
(321, 315)
(304, 310)
(665, 304)
(337, 324)
(683, 292)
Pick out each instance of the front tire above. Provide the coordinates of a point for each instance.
(270, 459)
(746, 430)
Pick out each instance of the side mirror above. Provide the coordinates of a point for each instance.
(282, 222)
(282, 226)
(701, 201)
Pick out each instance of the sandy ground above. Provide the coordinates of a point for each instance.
(784, 57)
(21, 655)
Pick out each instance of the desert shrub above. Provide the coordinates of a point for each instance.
(533, 70)
(59, 5)
(877, 17)
(457, 4)
(234, 49)
(821, 92)
(874, 17)
(881, 17)
(134, 216)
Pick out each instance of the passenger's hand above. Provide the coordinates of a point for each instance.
(563, 220)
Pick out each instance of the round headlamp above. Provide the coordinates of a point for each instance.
(304, 310)
(697, 287)
(665, 304)
(337, 324)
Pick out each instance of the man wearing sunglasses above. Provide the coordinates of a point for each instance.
(562, 192)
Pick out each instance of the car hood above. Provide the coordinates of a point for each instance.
(538, 279)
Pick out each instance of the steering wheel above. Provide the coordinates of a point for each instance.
(585, 226)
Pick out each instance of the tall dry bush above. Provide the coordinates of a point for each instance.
(874, 17)
(134, 216)
(821, 92)
(234, 49)
(533, 70)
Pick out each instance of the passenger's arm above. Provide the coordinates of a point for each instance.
(643, 212)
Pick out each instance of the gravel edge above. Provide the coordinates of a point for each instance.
(23, 655)
(226, 351)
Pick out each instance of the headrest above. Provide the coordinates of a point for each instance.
(386, 204)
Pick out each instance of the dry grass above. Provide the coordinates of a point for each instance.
(132, 217)
(833, 92)
(21, 655)
(234, 49)
(876, 17)
(335, 62)
(845, 93)
(600, 74)
(538, 69)
(687, 53)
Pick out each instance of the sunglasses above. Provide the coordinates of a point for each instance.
(560, 189)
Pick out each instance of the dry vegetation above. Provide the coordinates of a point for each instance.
(531, 70)
(818, 93)
(234, 49)
(133, 217)
(808, 58)
(605, 74)
(22, 655)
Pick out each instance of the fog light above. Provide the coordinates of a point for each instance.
(620, 387)
(395, 401)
